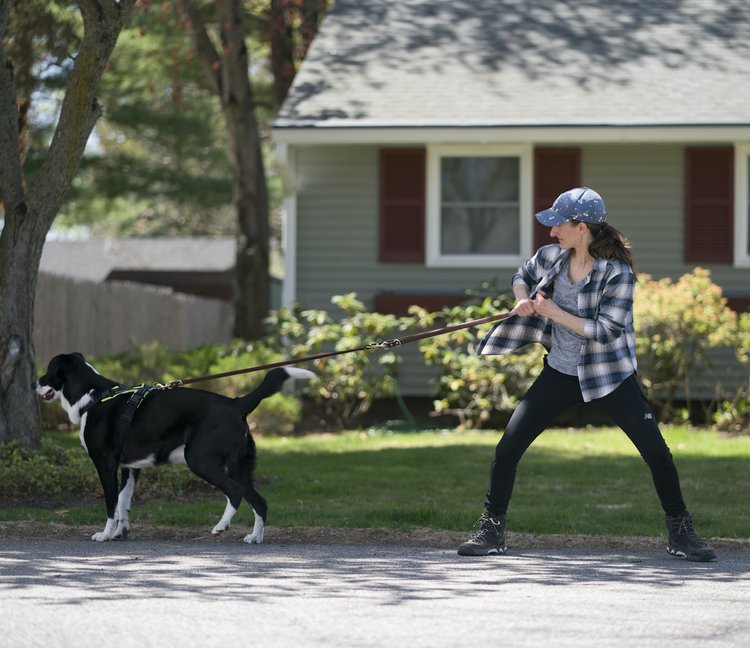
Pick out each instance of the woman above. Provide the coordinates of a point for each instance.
(586, 324)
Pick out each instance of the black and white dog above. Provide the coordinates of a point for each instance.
(204, 430)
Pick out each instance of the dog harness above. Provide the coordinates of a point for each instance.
(137, 394)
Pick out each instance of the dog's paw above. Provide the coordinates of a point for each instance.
(219, 529)
(256, 535)
(107, 533)
(253, 538)
(122, 532)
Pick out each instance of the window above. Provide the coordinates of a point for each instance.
(478, 205)
(742, 206)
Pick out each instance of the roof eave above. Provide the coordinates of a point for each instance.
(343, 131)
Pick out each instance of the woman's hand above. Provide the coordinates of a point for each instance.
(544, 306)
(524, 307)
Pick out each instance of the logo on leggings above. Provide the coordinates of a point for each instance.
(647, 416)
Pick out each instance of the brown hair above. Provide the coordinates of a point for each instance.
(610, 243)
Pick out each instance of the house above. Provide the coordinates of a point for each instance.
(420, 136)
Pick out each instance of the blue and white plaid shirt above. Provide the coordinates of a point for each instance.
(605, 302)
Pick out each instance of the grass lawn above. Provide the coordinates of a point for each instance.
(572, 482)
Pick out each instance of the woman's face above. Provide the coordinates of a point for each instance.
(571, 235)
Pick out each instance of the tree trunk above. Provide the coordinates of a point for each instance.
(19, 407)
(228, 74)
(30, 210)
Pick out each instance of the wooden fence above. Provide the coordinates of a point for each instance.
(100, 319)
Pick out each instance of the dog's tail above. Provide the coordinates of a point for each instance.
(272, 383)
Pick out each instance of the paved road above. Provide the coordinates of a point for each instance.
(143, 593)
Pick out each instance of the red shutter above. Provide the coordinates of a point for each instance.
(555, 170)
(402, 205)
(709, 204)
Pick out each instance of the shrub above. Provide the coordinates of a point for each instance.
(677, 324)
(733, 415)
(476, 389)
(345, 385)
(743, 338)
(55, 474)
(52, 471)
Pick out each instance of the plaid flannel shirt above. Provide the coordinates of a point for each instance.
(605, 302)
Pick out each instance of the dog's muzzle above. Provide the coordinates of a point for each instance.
(45, 393)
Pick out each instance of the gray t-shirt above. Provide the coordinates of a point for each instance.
(565, 353)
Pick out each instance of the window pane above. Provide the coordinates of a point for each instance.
(484, 179)
(479, 205)
(480, 230)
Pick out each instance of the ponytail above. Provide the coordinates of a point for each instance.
(610, 243)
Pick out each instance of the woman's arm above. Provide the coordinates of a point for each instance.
(524, 306)
(615, 305)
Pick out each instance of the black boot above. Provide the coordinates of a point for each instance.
(489, 537)
(685, 542)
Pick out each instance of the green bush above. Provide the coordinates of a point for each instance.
(733, 415)
(55, 473)
(52, 472)
(476, 389)
(677, 324)
(345, 385)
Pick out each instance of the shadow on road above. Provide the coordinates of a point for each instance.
(71, 573)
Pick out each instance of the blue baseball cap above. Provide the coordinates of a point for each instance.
(582, 204)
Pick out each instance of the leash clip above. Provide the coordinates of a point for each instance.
(170, 385)
(385, 344)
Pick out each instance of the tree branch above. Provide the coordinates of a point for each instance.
(103, 22)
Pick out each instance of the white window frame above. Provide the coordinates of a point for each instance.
(741, 201)
(434, 154)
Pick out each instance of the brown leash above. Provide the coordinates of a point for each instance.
(386, 344)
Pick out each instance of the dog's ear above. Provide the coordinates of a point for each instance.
(79, 355)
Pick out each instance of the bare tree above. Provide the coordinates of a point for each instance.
(30, 208)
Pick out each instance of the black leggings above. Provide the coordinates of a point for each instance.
(552, 393)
